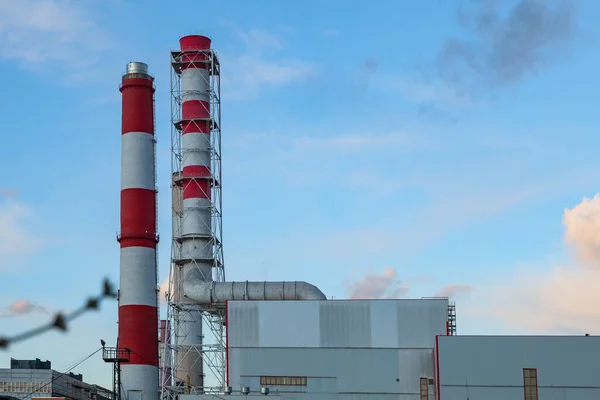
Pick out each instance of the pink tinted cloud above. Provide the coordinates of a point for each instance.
(377, 286)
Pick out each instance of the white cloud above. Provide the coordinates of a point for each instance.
(348, 159)
(21, 307)
(385, 285)
(8, 192)
(16, 235)
(341, 143)
(260, 65)
(551, 298)
(540, 299)
(453, 290)
(409, 230)
(44, 33)
(259, 40)
(422, 91)
(582, 225)
(361, 142)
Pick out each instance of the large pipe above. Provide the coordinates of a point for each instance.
(195, 233)
(138, 308)
(216, 293)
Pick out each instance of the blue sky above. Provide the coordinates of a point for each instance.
(399, 147)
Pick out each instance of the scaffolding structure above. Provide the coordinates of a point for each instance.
(210, 351)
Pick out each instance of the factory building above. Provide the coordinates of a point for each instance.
(348, 348)
(31, 379)
(394, 349)
(518, 367)
(283, 339)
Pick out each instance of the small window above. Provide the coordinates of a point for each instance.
(424, 388)
(530, 384)
(283, 381)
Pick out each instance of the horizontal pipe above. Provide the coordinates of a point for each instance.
(198, 290)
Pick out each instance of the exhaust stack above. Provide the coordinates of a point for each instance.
(194, 181)
(138, 298)
(197, 286)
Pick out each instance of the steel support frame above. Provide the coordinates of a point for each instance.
(212, 350)
(115, 356)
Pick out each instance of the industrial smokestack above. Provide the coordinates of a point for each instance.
(138, 302)
(195, 180)
(197, 279)
(196, 229)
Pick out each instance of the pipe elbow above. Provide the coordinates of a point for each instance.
(197, 290)
(310, 292)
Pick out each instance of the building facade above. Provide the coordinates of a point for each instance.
(343, 349)
(30, 379)
(394, 349)
(518, 367)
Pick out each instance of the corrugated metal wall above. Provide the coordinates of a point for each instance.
(337, 323)
(27, 383)
(20, 383)
(491, 367)
(357, 348)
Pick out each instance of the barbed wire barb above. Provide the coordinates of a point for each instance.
(60, 320)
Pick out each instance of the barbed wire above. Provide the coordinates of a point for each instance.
(60, 320)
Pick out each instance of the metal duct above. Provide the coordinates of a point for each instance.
(197, 289)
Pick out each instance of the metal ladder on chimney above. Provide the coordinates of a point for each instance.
(451, 319)
(156, 263)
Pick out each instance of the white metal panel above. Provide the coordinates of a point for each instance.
(195, 84)
(252, 382)
(284, 326)
(272, 396)
(564, 393)
(137, 277)
(414, 364)
(371, 348)
(137, 161)
(384, 324)
(345, 323)
(242, 323)
(376, 396)
(140, 378)
(487, 393)
(419, 321)
(320, 384)
(198, 248)
(305, 396)
(508, 393)
(195, 149)
(197, 218)
(566, 366)
(355, 370)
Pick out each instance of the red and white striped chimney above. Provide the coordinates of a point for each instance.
(196, 231)
(138, 308)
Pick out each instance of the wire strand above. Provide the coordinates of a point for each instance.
(60, 320)
(61, 374)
